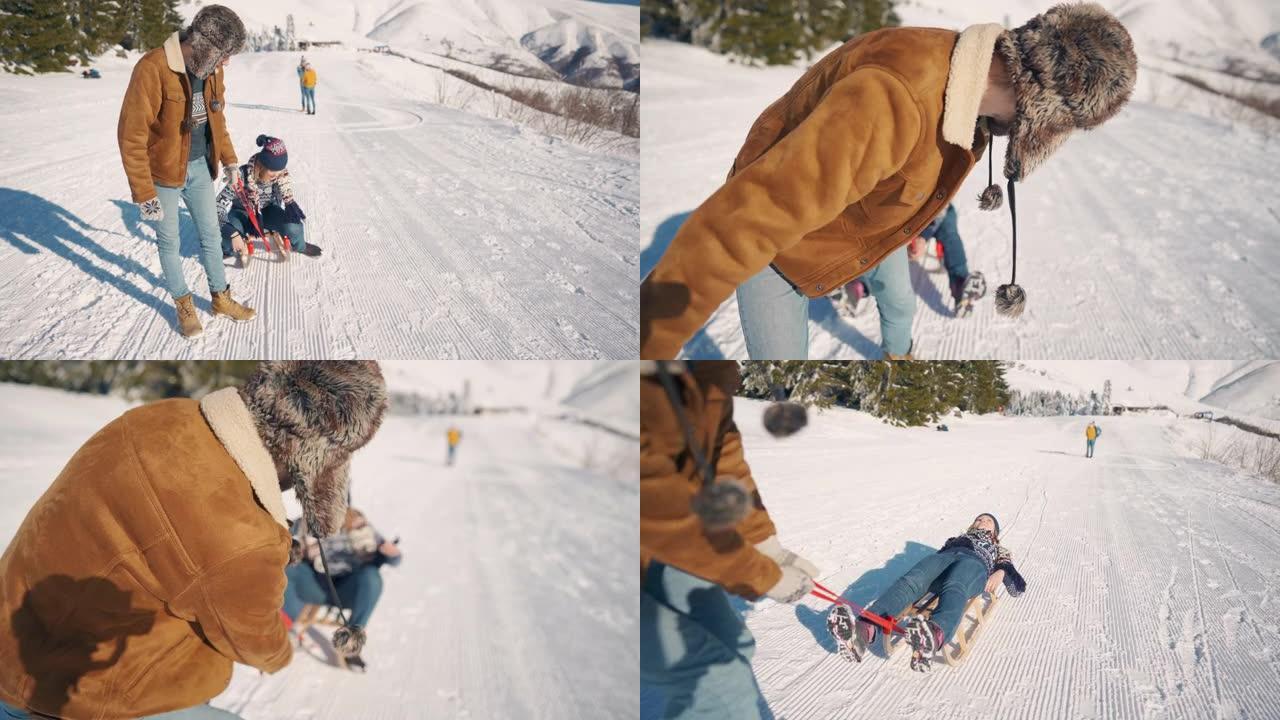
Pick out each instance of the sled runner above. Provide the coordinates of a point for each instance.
(324, 616)
(972, 622)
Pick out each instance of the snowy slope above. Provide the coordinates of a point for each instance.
(532, 385)
(1142, 239)
(446, 233)
(1249, 390)
(518, 541)
(517, 36)
(1151, 576)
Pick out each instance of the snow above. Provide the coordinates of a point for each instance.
(447, 233)
(1151, 575)
(491, 33)
(1142, 239)
(532, 532)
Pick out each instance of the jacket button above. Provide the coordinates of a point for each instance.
(862, 261)
(906, 231)
(818, 288)
(940, 195)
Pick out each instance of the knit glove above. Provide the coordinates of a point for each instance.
(232, 175)
(151, 210)
(792, 587)
(784, 557)
(293, 213)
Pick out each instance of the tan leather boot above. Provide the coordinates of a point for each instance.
(188, 320)
(224, 305)
(907, 356)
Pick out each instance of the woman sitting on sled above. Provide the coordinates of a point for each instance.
(263, 205)
(965, 567)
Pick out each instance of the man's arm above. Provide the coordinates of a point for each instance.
(237, 608)
(138, 112)
(829, 162)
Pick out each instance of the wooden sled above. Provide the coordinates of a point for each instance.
(322, 616)
(972, 622)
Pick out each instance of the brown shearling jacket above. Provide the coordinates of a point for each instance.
(152, 563)
(669, 531)
(154, 146)
(855, 159)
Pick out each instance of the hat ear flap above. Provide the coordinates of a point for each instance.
(320, 477)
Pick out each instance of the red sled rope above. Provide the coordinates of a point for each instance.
(886, 623)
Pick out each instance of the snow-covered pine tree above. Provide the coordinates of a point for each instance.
(1106, 398)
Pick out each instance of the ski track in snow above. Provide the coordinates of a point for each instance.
(516, 594)
(1151, 576)
(1147, 238)
(446, 234)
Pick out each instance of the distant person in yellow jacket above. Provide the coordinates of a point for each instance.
(308, 77)
(1091, 434)
(454, 436)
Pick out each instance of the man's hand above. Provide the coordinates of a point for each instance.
(792, 587)
(915, 248)
(151, 210)
(784, 557)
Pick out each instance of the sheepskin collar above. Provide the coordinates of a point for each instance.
(173, 54)
(233, 425)
(967, 81)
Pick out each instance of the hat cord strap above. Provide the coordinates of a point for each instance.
(333, 590)
(1013, 214)
(673, 395)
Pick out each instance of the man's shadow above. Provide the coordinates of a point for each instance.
(60, 627)
(274, 108)
(30, 223)
(928, 291)
(662, 238)
(863, 591)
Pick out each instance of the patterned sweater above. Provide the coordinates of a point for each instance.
(346, 551)
(981, 544)
(277, 192)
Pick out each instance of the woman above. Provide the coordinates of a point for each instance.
(172, 137)
(354, 554)
(966, 566)
(265, 184)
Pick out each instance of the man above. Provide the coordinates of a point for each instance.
(452, 437)
(694, 646)
(864, 151)
(157, 557)
(172, 137)
(302, 68)
(1091, 434)
(309, 89)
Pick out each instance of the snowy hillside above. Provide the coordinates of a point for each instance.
(1151, 576)
(530, 533)
(539, 38)
(1249, 389)
(446, 232)
(1142, 239)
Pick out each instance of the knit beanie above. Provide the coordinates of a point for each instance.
(273, 155)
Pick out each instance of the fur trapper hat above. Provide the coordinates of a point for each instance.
(1072, 67)
(312, 415)
(215, 32)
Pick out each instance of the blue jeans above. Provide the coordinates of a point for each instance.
(309, 99)
(199, 712)
(272, 219)
(953, 575)
(198, 196)
(695, 648)
(775, 316)
(452, 452)
(1088, 450)
(358, 591)
(947, 233)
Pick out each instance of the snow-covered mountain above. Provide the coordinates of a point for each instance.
(1249, 388)
(548, 386)
(580, 41)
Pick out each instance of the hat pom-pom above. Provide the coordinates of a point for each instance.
(1010, 300)
(722, 504)
(262, 140)
(349, 639)
(991, 198)
(783, 419)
